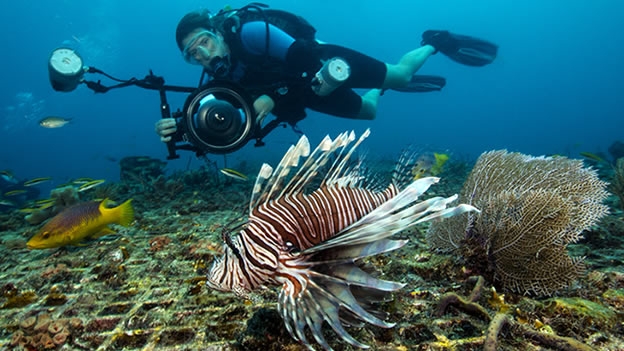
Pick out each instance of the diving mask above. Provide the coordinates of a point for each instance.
(204, 47)
(204, 44)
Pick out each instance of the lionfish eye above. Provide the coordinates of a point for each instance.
(291, 248)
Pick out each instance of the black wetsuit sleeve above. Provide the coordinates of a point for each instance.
(303, 56)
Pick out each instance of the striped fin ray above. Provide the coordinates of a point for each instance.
(269, 181)
(318, 159)
(335, 290)
(337, 169)
(399, 213)
(261, 180)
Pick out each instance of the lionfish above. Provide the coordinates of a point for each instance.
(307, 234)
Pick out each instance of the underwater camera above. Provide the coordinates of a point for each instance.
(218, 118)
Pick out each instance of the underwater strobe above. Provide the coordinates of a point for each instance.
(334, 72)
(66, 70)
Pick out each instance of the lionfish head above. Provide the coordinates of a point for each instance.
(226, 273)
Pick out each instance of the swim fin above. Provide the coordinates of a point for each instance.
(423, 84)
(466, 50)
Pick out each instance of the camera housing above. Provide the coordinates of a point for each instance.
(218, 118)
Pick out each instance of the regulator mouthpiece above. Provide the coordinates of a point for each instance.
(334, 72)
(66, 69)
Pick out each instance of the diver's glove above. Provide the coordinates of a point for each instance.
(165, 128)
(263, 105)
(436, 38)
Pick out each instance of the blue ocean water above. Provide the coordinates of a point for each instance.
(555, 87)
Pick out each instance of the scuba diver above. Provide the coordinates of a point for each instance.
(276, 58)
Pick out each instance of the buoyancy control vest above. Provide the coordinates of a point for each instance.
(265, 74)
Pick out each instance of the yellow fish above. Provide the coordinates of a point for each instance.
(429, 165)
(593, 157)
(87, 220)
(89, 185)
(234, 174)
(79, 181)
(36, 181)
(44, 201)
(440, 160)
(15, 192)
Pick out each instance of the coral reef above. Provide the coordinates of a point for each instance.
(531, 209)
(140, 168)
(616, 150)
(144, 289)
(616, 185)
(63, 198)
(41, 332)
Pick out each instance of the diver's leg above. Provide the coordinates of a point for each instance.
(368, 110)
(344, 102)
(399, 75)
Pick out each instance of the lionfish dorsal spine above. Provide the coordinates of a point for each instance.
(338, 169)
(317, 159)
(270, 181)
(257, 194)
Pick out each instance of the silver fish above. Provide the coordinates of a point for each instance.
(54, 122)
(308, 240)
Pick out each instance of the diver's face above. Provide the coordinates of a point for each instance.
(201, 46)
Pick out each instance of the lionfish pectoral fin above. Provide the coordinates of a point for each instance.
(397, 214)
(313, 307)
(352, 274)
(333, 254)
(341, 293)
(449, 212)
(307, 311)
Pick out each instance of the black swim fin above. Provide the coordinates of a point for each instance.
(423, 84)
(461, 48)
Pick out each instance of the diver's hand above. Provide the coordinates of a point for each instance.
(263, 106)
(165, 128)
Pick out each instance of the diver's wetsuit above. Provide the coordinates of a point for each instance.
(293, 63)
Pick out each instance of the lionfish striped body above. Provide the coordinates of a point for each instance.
(308, 243)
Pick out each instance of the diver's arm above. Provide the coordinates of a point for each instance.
(254, 36)
(299, 55)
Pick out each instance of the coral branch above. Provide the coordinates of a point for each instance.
(500, 320)
(496, 325)
(468, 305)
(453, 299)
